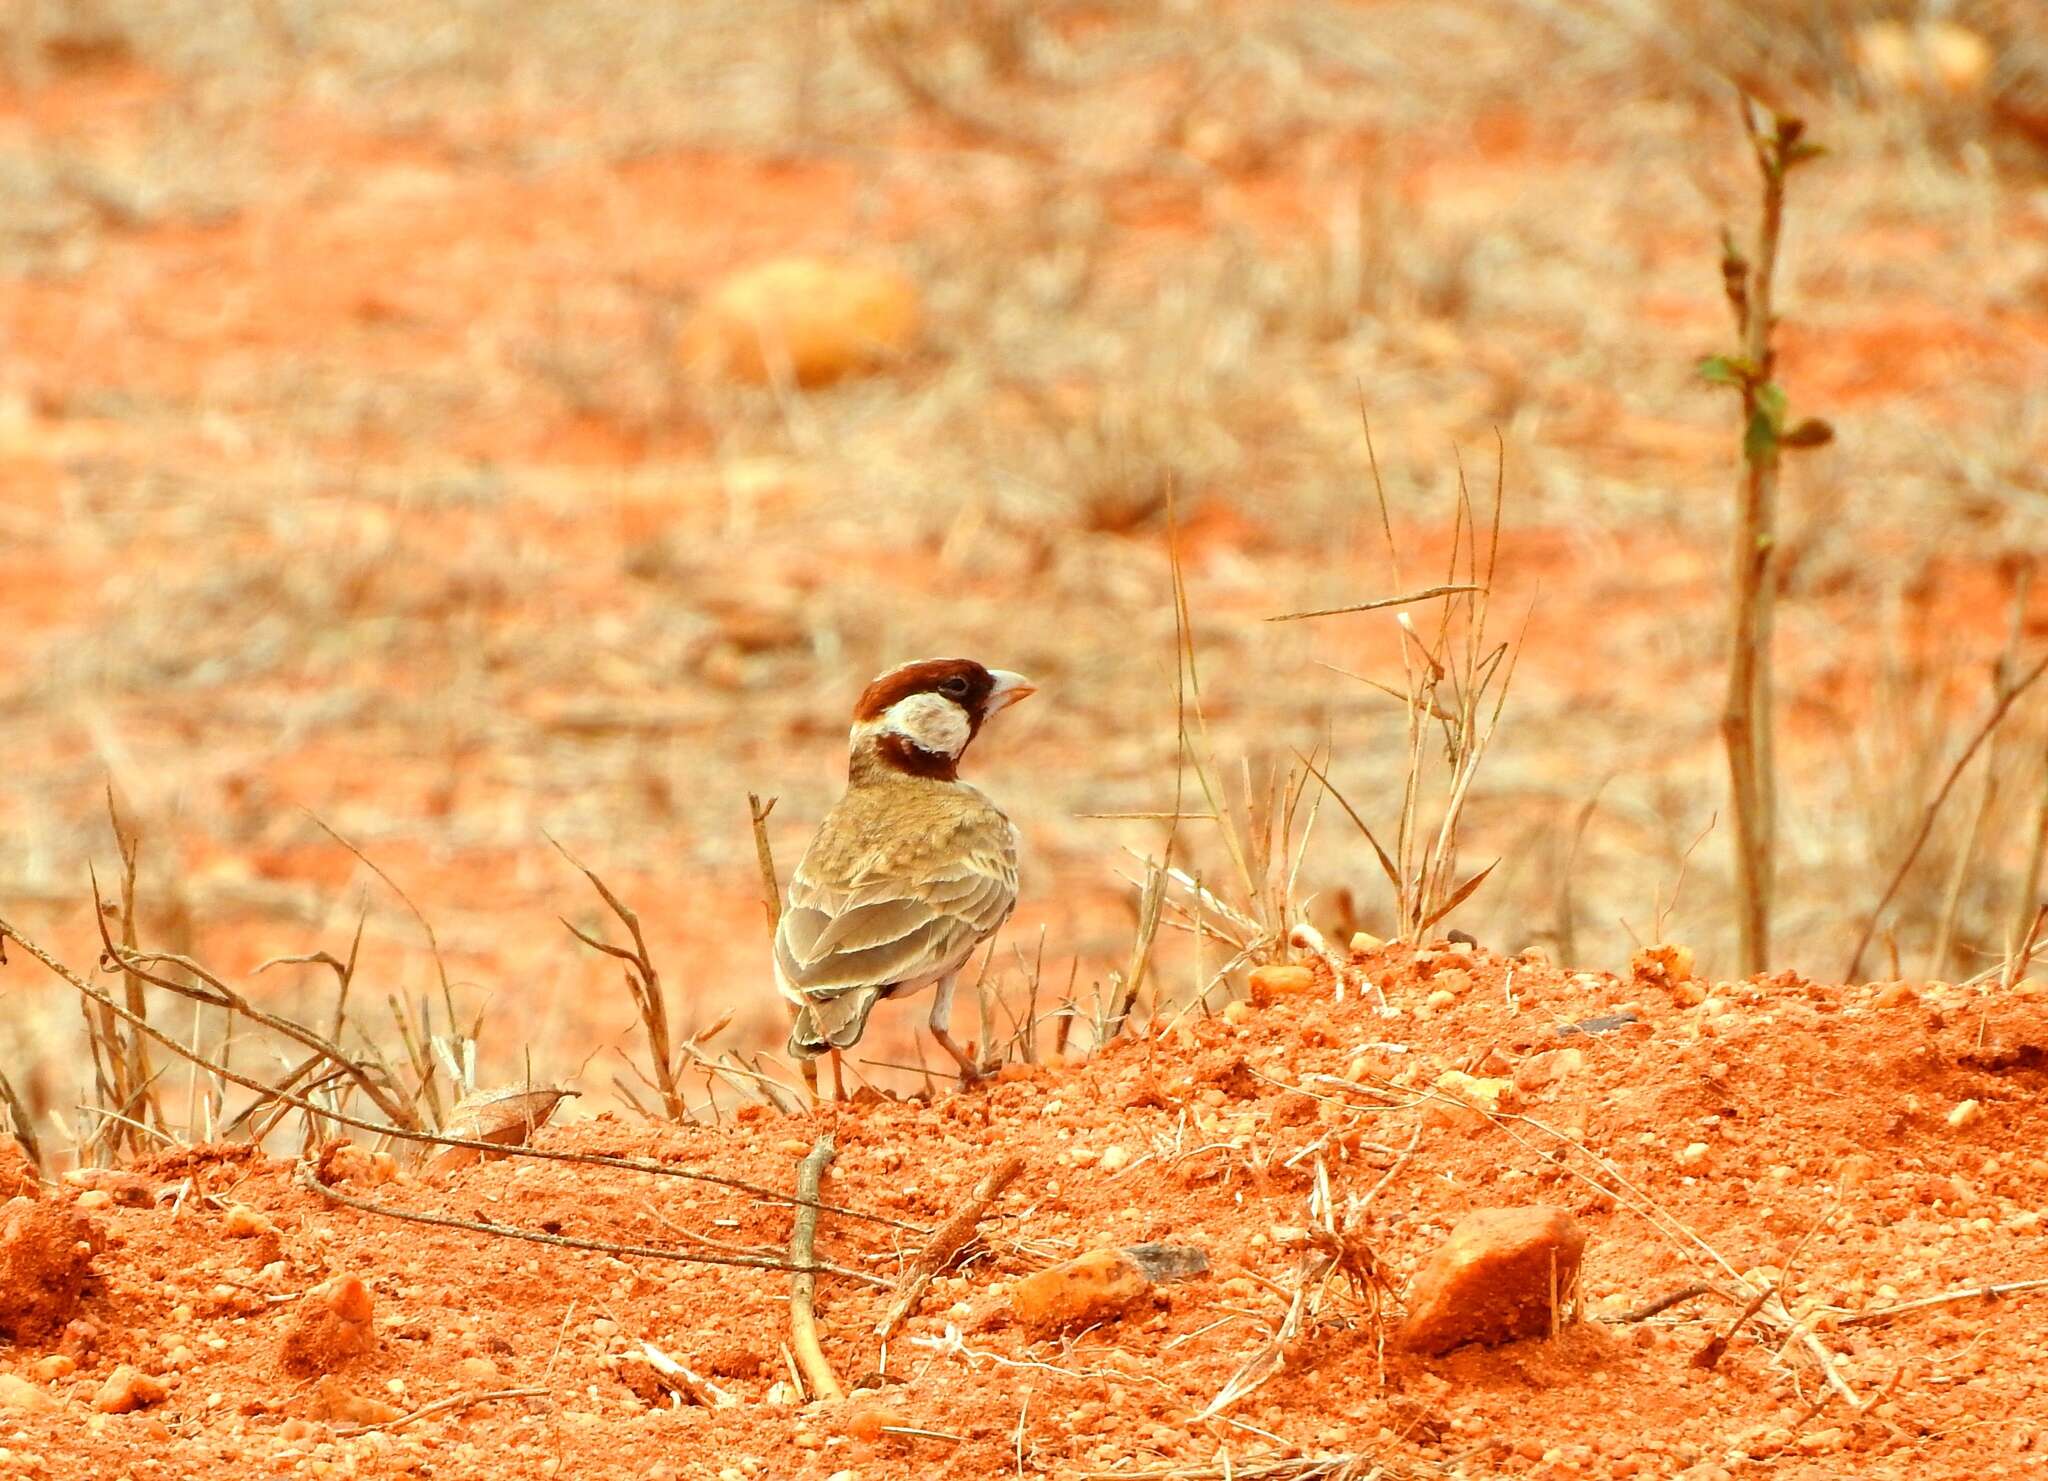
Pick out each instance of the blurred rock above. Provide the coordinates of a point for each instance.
(130, 1190)
(244, 1222)
(127, 1389)
(1279, 980)
(813, 319)
(1549, 1067)
(1934, 59)
(331, 1329)
(347, 1162)
(46, 1252)
(334, 1400)
(19, 1394)
(1503, 1274)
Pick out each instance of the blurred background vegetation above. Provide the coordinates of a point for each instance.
(386, 441)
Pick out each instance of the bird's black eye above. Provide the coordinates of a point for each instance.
(954, 688)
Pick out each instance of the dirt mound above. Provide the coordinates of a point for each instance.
(1815, 1155)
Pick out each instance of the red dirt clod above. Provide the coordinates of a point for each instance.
(18, 1177)
(1503, 1274)
(46, 1253)
(333, 1327)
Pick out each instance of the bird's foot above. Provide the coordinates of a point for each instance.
(971, 1069)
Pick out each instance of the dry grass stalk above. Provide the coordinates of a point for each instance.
(269, 1092)
(1989, 1292)
(1334, 1248)
(1263, 823)
(368, 1076)
(803, 1320)
(1779, 146)
(1454, 687)
(2002, 702)
(946, 1243)
(2027, 911)
(643, 982)
(20, 1125)
(1987, 788)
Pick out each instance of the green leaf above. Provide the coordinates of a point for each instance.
(1726, 370)
(1813, 432)
(1803, 151)
(1760, 438)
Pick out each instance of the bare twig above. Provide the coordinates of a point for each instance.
(946, 1242)
(803, 1319)
(1710, 1356)
(442, 1406)
(1665, 1302)
(308, 1178)
(207, 988)
(1971, 1293)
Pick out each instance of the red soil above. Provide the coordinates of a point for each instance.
(1809, 1135)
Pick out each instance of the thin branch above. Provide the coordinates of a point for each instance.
(946, 1242)
(308, 1178)
(803, 1319)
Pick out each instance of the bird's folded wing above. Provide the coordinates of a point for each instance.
(834, 939)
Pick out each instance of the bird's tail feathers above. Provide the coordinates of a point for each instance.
(836, 1022)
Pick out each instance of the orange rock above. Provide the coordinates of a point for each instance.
(812, 319)
(1503, 1274)
(127, 1389)
(867, 1421)
(332, 1328)
(1087, 1289)
(1280, 980)
(244, 1222)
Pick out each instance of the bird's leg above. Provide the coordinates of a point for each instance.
(942, 1015)
(838, 1077)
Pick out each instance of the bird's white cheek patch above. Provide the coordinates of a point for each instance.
(930, 722)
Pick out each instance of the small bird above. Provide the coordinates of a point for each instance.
(910, 871)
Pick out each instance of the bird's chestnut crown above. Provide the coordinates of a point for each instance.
(918, 717)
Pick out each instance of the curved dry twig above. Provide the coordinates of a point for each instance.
(308, 1179)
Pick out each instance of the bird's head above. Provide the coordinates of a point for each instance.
(918, 718)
